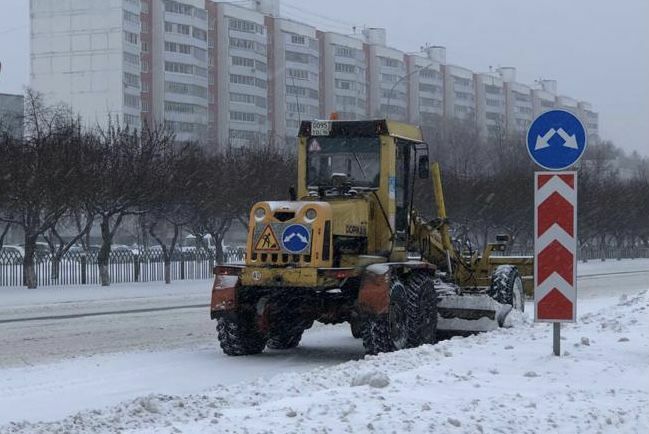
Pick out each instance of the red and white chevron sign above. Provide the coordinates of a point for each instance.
(555, 246)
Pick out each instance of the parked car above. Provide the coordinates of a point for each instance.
(155, 252)
(42, 251)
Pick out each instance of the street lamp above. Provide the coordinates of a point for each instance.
(405, 77)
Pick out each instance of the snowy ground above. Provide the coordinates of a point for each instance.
(162, 371)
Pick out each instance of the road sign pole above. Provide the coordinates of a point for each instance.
(556, 340)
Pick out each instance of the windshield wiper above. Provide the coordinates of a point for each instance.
(360, 166)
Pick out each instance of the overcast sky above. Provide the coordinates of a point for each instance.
(597, 50)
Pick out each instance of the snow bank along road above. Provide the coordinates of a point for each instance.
(505, 380)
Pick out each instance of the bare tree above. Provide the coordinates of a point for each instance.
(125, 164)
(170, 210)
(39, 172)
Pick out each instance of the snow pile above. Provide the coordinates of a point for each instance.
(503, 381)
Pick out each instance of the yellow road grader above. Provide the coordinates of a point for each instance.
(350, 247)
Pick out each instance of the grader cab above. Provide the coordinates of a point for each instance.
(349, 246)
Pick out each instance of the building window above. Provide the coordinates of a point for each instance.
(425, 87)
(185, 89)
(145, 47)
(144, 6)
(178, 48)
(345, 51)
(242, 79)
(145, 65)
(131, 58)
(144, 27)
(260, 66)
(200, 54)
(145, 106)
(169, 27)
(302, 91)
(462, 81)
(521, 97)
(131, 80)
(132, 101)
(179, 68)
(199, 34)
(344, 67)
(200, 72)
(243, 61)
(178, 8)
(145, 86)
(344, 84)
(391, 63)
(429, 73)
(179, 107)
(130, 17)
(292, 56)
(298, 74)
(488, 88)
(243, 116)
(131, 119)
(298, 39)
(429, 102)
(130, 37)
(245, 26)
(244, 44)
(183, 29)
(201, 14)
(389, 78)
(464, 96)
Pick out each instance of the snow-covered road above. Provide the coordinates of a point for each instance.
(54, 368)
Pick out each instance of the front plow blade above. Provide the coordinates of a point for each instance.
(464, 315)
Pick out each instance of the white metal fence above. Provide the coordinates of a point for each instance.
(78, 268)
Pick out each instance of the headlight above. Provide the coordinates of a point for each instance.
(311, 214)
(260, 213)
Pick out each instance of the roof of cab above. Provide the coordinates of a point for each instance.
(368, 128)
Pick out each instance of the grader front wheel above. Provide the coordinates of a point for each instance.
(408, 322)
(507, 287)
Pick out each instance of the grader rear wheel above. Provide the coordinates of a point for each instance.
(238, 334)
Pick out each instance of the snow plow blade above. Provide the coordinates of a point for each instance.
(464, 315)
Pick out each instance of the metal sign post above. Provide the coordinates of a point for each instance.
(555, 141)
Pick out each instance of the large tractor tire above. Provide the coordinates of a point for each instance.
(285, 340)
(428, 306)
(507, 287)
(356, 327)
(287, 336)
(404, 325)
(239, 335)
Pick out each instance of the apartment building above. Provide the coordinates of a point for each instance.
(518, 101)
(426, 86)
(87, 55)
(294, 91)
(185, 62)
(387, 84)
(343, 76)
(459, 93)
(490, 104)
(544, 98)
(12, 109)
(590, 119)
(238, 75)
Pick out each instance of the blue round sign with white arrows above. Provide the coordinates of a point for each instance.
(556, 140)
(295, 238)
